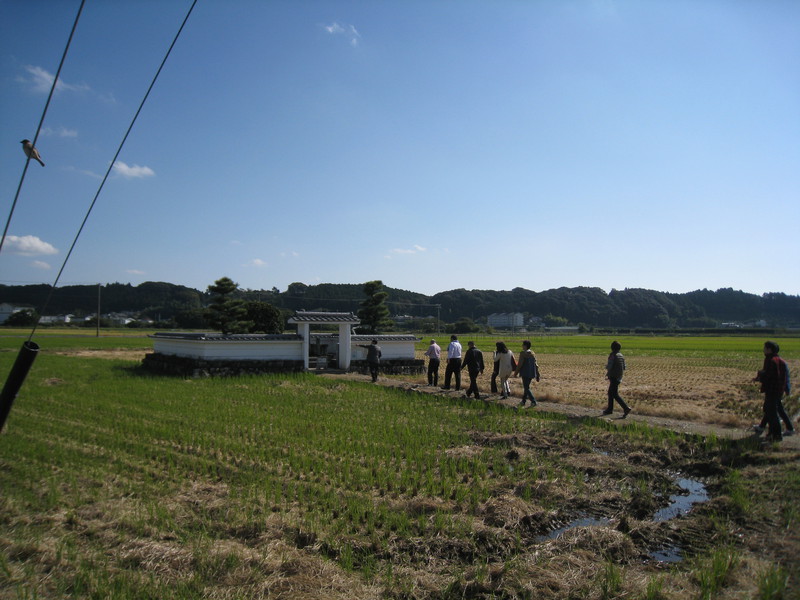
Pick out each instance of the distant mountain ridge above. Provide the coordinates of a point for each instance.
(592, 306)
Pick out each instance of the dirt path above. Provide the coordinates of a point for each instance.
(678, 425)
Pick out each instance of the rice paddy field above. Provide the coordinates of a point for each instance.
(115, 483)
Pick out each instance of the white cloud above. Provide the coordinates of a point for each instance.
(60, 132)
(40, 264)
(107, 97)
(413, 250)
(28, 245)
(290, 254)
(257, 262)
(349, 32)
(41, 81)
(135, 272)
(91, 174)
(133, 171)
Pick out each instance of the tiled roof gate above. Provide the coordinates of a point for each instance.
(324, 318)
(304, 319)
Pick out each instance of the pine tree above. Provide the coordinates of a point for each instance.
(227, 314)
(374, 313)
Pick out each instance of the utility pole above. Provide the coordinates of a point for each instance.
(98, 310)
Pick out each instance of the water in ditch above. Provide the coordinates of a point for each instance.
(693, 492)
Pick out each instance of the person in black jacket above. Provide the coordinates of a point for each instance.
(373, 358)
(528, 368)
(779, 403)
(773, 384)
(473, 361)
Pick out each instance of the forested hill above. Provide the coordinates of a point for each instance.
(629, 307)
(588, 305)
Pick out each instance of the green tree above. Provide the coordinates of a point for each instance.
(464, 325)
(555, 321)
(226, 313)
(22, 318)
(193, 318)
(265, 317)
(374, 313)
(92, 322)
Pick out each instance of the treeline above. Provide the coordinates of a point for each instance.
(629, 308)
(155, 300)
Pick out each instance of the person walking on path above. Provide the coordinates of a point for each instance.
(615, 367)
(473, 361)
(773, 384)
(373, 358)
(787, 420)
(434, 353)
(528, 369)
(453, 367)
(495, 373)
(505, 367)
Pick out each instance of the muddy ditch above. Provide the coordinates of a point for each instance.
(649, 496)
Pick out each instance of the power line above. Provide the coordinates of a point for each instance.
(29, 350)
(113, 162)
(41, 121)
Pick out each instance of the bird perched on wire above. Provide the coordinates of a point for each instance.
(30, 151)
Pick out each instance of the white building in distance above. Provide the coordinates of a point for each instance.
(505, 320)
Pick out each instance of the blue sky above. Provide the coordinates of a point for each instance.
(431, 144)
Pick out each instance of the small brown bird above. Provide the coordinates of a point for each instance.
(30, 151)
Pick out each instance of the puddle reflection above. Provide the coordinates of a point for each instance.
(694, 492)
(582, 522)
(681, 504)
(670, 554)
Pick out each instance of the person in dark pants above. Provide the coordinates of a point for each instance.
(528, 369)
(773, 384)
(495, 374)
(433, 353)
(453, 363)
(787, 420)
(473, 361)
(373, 358)
(615, 367)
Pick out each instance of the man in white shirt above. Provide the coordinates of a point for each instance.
(453, 363)
(434, 353)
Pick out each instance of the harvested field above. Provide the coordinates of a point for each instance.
(685, 388)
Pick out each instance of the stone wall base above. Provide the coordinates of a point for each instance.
(183, 366)
(169, 364)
